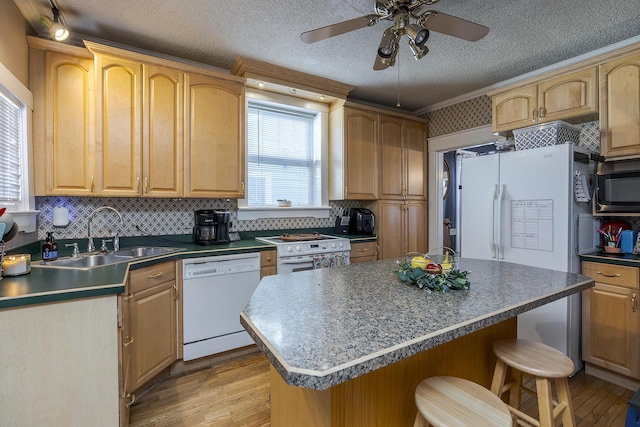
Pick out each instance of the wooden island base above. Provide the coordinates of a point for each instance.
(385, 397)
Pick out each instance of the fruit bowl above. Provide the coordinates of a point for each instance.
(436, 261)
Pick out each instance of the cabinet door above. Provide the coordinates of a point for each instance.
(610, 329)
(153, 329)
(360, 158)
(119, 127)
(124, 360)
(390, 217)
(575, 94)
(70, 126)
(620, 107)
(514, 109)
(392, 158)
(162, 149)
(215, 151)
(415, 233)
(415, 143)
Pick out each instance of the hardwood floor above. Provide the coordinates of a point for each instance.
(235, 392)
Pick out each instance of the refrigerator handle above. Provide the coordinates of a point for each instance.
(493, 244)
(499, 242)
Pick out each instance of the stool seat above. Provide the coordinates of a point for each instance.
(453, 402)
(534, 358)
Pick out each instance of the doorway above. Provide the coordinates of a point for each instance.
(444, 181)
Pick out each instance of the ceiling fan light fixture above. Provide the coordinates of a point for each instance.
(417, 34)
(418, 51)
(388, 44)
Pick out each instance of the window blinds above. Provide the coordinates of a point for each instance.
(283, 162)
(10, 147)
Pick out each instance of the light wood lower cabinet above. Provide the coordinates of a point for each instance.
(363, 252)
(149, 328)
(402, 227)
(267, 263)
(611, 322)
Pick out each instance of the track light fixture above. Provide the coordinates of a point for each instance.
(417, 34)
(58, 31)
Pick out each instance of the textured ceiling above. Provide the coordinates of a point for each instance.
(525, 35)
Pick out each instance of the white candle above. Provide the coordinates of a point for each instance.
(14, 265)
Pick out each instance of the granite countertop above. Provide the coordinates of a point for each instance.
(323, 327)
(632, 260)
(45, 285)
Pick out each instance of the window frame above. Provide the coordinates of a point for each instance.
(321, 131)
(24, 212)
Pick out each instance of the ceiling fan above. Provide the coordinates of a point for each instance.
(401, 12)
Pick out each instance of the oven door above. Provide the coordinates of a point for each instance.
(294, 263)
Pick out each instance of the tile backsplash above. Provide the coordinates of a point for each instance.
(157, 216)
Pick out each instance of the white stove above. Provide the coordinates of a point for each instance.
(298, 255)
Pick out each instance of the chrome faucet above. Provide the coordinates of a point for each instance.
(90, 246)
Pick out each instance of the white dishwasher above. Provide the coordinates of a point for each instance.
(214, 291)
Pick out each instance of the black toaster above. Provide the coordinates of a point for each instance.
(362, 221)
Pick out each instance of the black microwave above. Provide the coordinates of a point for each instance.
(617, 189)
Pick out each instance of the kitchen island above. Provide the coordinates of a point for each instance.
(348, 345)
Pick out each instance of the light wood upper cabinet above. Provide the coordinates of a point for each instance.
(119, 126)
(415, 147)
(402, 158)
(559, 98)
(140, 129)
(620, 107)
(611, 322)
(63, 120)
(163, 126)
(392, 158)
(514, 109)
(215, 154)
(353, 150)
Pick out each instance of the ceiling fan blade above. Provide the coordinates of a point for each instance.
(379, 65)
(453, 26)
(339, 28)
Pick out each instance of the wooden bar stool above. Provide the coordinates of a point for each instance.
(547, 365)
(456, 402)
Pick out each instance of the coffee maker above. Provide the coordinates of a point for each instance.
(211, 227)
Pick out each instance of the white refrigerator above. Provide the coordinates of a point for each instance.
(533, 207)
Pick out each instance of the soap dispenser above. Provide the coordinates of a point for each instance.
(46, 248)
(53, 254)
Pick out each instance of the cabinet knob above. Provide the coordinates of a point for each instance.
(634, 307)
(146, 184)
(128, 342)
(535, 114)
(138, 185)
(269, 258)
(155, 276)
(127, 297)
(91, 185)
(541, 112)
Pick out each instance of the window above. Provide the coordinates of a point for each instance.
(286, 158)
(11, 137)
(16, 194)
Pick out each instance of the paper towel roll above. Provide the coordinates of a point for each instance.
(60, 217)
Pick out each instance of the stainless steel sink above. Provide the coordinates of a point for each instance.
(143, 251)
(86, 262)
